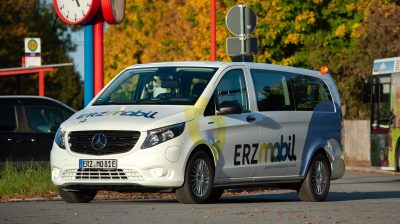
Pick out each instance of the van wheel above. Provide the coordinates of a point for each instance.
(316, 185)
(199, 180)
(82, 196)
(398, 160)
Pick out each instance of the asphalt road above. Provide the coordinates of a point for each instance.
(357, 198)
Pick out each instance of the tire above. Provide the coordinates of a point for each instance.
(216, 194)
(82, 196)
(398, 160)
(315, 186)
(199, 180)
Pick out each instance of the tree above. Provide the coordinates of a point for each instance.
(345, 35)
(374, 35)
(35, 18)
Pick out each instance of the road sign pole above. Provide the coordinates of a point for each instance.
(243, 47)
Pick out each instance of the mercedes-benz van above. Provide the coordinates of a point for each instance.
(197, 128)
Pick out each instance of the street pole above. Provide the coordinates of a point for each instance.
(98, 54)
(243, 35)
(213, 49)
(88, 59)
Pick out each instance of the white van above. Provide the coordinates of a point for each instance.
(197, 128)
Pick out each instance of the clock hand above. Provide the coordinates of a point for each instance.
(77, 2)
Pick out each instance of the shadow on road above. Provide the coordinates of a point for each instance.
(353, 196)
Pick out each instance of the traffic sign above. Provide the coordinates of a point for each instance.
(32, 56)
(32, 46)
(241, 20)
(241, 46)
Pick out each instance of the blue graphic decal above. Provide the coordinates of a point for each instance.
(138, 113)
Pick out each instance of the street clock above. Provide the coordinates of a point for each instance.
(76, 11)
(113, 10)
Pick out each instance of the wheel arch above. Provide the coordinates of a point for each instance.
(204, 147)
(318, 150)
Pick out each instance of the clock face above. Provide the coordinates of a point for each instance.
(76, 11)
(113, 10)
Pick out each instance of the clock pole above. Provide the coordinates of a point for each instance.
(98, 53)
(91, 15)
(88, 60)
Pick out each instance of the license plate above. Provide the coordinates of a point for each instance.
(97, 164)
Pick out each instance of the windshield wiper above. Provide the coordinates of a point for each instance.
(146, 101)
(137, 102)
(115, 103)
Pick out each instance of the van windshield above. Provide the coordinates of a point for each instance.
(158, 85)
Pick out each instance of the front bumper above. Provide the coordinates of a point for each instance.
(161, 166)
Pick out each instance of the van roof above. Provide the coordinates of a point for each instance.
(218, 64)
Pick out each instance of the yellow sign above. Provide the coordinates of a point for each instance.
(32, 45)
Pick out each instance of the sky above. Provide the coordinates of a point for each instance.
(78, 55)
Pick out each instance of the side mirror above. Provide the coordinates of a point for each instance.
(366, 92)
(229, 107)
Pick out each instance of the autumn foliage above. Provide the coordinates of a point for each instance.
(345, 35)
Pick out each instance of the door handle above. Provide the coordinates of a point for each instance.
(27, 140)
(250, 118)
(34, 140)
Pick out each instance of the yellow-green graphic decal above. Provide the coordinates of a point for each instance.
(195, 129)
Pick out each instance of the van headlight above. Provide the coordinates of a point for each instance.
(60, 138)
(160, 135)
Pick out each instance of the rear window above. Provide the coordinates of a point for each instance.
(8, 121)
(283, 91)
(311, 94)
(272, 90)
(44, 119)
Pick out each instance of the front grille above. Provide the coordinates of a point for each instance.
(90, 174)
(117, 142)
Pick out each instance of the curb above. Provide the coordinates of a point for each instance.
(32, 199)
(363, 169)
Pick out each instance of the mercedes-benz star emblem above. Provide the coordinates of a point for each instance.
(99, 141)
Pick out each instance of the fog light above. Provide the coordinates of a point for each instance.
(55, 173)
(159, 172)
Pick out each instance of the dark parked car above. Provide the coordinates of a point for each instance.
(28, 125)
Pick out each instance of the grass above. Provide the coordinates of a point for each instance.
(21, 180)
(28, 179)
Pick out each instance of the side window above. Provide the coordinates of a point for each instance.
(232, 87)
(311, 94)
(8, 120)
(272, 90)
(43, 119)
